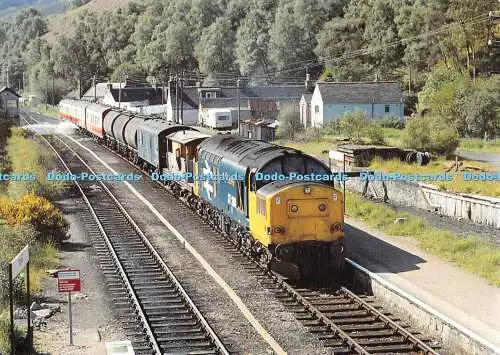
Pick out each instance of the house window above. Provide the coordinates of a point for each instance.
(316, 108)
(210, 95)
(387, 108)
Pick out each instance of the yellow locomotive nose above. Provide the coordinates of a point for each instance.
(299, 213)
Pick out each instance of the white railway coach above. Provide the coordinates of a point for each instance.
(74, 111)
(95, 114)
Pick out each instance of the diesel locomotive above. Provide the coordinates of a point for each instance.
(294, 227)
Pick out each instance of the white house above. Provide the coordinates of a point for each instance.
(183, 108)
(305, 110)
(145, 100)
(330, 100)
(97, 92)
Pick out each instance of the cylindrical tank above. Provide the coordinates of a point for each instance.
(119, 127)
(109, 121)
(130, 132)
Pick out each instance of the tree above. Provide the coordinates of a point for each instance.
(172, 50)
(215, 50)
(352, 125)
(289, 122)
(292, 40)
(252, 38)
(430, 134)
(481, 109)
(127, 70)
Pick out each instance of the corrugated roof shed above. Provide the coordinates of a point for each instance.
(361, 92)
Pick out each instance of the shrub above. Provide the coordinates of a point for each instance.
(37, 212)
(392, 122)
(430, 134)
(289, 122)
(374, 133)
(352, 125)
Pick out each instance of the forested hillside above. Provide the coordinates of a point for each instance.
(441, 44)
(9, 8)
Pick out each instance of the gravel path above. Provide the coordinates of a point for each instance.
(491, 158)
(93, 322)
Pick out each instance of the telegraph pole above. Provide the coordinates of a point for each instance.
(53, 91)
(94, 83)
(46, 93)
(176, 98)
(182, 97)
(239, 108)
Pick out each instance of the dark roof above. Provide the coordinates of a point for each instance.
(131, 94)
(225, 102)
(190, 97)
(360, 92)
(307, 97)
(10, 90)
(277, 92)
(100, 90)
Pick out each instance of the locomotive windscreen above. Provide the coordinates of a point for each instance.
(298, 164)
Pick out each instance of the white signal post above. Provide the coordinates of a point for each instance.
(69, 281)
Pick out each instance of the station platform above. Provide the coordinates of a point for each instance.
(463, 297)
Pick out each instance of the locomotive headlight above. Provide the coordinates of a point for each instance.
(337, 227)
(307, 190)
(279, 229)
(322, 207)
(294, 208)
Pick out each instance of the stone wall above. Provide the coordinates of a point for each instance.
(478, 209)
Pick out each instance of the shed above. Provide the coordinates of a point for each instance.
(264, 130)
(9, 103)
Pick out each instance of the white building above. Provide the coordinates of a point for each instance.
(145, 100)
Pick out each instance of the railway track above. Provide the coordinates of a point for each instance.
(155, 310)
(348, 323)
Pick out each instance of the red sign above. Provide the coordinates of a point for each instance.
(68, 280)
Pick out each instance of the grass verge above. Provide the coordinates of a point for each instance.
(479, 145)
(458, 184)
(470, 252)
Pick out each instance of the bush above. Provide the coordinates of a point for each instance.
(374, 133)
(352, 125)
(392, 122)
(289, 123)
(430, 134)
(41, 214)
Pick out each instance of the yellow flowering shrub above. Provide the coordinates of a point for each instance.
(37, 212)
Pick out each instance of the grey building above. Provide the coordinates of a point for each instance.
(9, 103)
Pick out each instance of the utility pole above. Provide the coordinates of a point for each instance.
(182, 97)
(46, 93)
(409, 82)
(53, 91)
(239, 108)
(24, 80)
(176, 98)
(120, 92)
(94, 83)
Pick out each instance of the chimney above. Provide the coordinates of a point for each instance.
(307, 82)
(198, 84)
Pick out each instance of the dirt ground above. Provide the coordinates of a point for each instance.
(93, 323)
